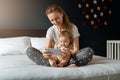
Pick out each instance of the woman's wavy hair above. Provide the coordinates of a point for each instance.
(66, 22)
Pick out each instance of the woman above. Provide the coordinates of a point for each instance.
(64, 45)
(60, 21)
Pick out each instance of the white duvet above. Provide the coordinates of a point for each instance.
(19, 67)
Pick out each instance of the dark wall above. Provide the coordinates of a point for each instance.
(30, 14)
(115, 20)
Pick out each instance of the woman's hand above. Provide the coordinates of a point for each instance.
(46, 53)
(73, 52)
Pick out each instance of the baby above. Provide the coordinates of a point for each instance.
(64, 45)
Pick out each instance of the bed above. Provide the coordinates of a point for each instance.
(15, 65)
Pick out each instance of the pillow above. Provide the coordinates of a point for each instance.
(14, 45)
(38, 42)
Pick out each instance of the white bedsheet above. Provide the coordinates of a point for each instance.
(19, 67)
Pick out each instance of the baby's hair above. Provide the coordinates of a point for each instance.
(65, 33)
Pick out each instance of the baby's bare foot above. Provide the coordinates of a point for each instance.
(72, 66)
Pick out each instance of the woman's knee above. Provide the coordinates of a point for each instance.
(36, 56)
(85, 55)
(87, 49)
(32, 50)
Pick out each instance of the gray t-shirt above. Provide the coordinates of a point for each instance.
(53, 33)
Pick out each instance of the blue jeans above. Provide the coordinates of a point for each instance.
(83, 57)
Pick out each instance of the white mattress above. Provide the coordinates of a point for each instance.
(19, 67)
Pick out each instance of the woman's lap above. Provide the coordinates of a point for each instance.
(83, 57)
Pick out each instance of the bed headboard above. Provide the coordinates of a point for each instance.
(22, 32)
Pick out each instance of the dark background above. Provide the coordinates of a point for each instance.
(30, 14)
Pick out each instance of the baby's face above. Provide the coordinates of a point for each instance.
(64, 41)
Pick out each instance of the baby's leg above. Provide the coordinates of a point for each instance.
(53, 61)
(64, 59)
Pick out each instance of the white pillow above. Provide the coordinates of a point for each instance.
(38, 42)
(14, 45)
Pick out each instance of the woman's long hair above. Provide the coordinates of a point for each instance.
(66, 22)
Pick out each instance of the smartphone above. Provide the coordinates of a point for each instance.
(54, 51)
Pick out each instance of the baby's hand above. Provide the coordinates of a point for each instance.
(63, 49)
(58, 46)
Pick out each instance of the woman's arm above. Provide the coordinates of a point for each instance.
(50, 43)
(75, 46)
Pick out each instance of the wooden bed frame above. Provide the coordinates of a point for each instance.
(22, 32)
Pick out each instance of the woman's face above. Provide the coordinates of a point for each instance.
(56, 18)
